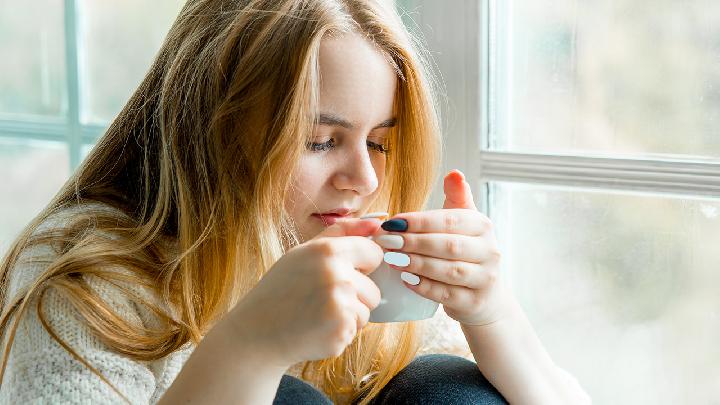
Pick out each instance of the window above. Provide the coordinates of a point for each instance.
(72, 66)
(591, 130)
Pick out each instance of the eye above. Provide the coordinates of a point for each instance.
(377, 147)
(321, 147)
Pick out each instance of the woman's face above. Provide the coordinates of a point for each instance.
(342, 170)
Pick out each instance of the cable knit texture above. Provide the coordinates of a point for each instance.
(40, 371)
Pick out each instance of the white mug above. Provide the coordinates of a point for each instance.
(398, 303)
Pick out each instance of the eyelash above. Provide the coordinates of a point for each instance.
(325, 146)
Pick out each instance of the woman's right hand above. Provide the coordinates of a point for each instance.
(314, 300)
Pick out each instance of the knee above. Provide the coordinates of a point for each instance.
(440, 378)
(293, 391)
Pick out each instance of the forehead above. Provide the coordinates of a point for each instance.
(356, 80)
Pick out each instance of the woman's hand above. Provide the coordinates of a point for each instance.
(316, 298)
(455, 255)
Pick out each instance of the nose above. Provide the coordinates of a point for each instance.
(356, 172)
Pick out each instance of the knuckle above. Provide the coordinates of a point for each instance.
(457, 272)
(477, 300)
(445, 294)
(340, 289)
(486, 222)
(416, 263)
(324, 248)
(423, 222)
(453, 246)
(492, 278)
(451, 222)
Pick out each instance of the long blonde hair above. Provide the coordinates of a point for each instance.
(199, 156)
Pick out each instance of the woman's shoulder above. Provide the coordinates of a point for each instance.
(48, 249)
(88, 304)
(40, 249)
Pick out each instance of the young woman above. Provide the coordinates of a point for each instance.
(218, 216)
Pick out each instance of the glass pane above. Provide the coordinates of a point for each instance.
(119, 42)
(85, 150)
(623, 77)
(622, 288)
(33, 63)
(33, 173)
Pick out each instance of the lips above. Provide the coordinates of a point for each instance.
(330, 217)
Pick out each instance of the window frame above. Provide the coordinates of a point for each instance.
(68, 129)
(470, 48)
(469, 129)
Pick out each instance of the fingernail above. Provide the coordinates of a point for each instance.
(410, 278)
(390, 241)
(397, 259)
(395, 225)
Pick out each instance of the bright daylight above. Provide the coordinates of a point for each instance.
(360, 202)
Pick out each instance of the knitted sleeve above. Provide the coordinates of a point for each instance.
(442, 334)
(40, 370)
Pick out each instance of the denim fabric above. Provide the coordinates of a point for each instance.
(429, 379)
(293, 391)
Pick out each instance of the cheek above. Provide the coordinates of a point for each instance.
(379, 161)
(306, 180)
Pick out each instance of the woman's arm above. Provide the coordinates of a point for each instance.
(512, 358)
(225, 368)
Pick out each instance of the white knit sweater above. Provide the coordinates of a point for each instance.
(40, 371)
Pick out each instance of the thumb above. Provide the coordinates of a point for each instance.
(457, 191)
(351, 227)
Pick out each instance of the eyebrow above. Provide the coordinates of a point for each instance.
(336, 121)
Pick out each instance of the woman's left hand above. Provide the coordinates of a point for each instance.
(454, 253)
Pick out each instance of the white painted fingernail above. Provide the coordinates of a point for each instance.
(397, 259)
(378, 215)
(390, 241)
(410, 278)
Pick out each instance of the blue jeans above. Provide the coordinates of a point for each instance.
(429, 379)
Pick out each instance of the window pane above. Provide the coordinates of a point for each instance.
(33, 62)
(621, 288)
(625, 76)
(33, 172)
(119, 42)
(85, 150)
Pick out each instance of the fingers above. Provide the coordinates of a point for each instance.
(451, 296)
(443, 246)
(451, 272)
(458, 221)
(362, 314)
(351, 227)
(457, 191)
(362, 253)
(368, 292)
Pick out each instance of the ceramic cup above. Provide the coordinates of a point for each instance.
(398, 303)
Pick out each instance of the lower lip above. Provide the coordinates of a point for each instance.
(328, 219)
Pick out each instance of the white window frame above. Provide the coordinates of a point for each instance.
(461, 50)
(68, 129)
(459, 34)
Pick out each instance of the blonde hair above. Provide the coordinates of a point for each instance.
(199, 156)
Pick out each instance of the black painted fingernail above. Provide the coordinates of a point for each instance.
(395, 225)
